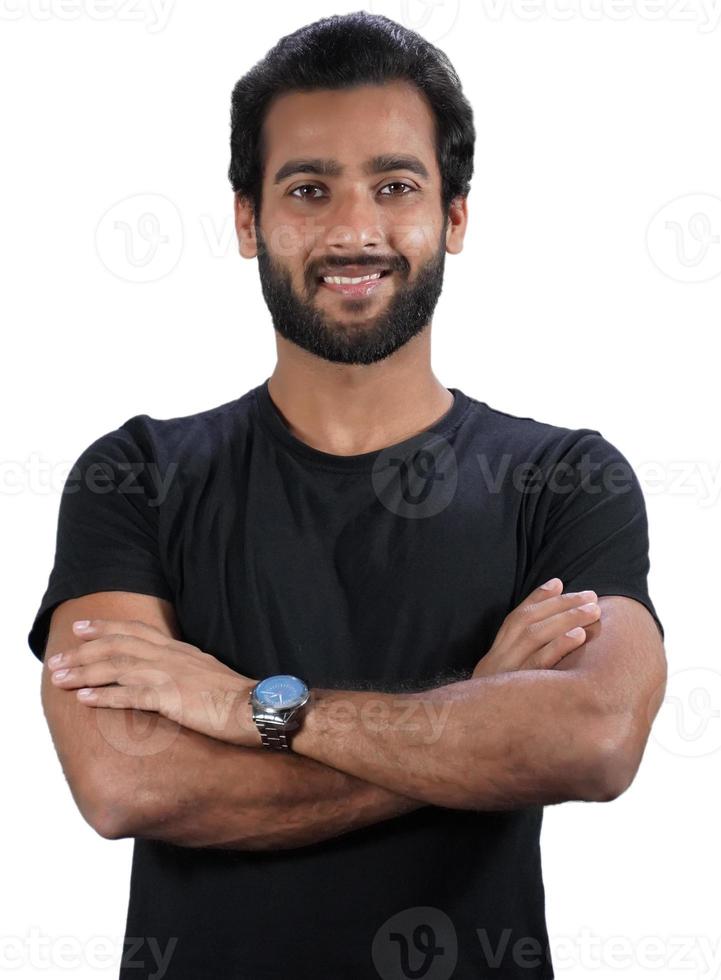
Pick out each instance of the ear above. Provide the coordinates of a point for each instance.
(245, 227)
(456, 224)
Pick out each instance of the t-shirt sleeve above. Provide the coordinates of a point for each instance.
(587, 522)
(108, 529)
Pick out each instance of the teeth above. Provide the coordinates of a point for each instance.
(344, 281)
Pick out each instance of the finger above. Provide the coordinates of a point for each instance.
(129, 627)
(550, 588)
(142, 696)
(536, 633)
(565, 600)
(582, 615)
(112, 646)
(119, 669)
(552, 653)
(529, 610)
(535, 612)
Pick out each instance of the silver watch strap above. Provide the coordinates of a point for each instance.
(272, 736)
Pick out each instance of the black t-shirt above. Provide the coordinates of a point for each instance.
(390, 569)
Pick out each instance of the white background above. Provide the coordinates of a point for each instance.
(587, 294)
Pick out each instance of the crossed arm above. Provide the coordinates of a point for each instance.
(136, 774)
(513, 739)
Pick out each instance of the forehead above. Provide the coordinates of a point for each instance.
(350, 125)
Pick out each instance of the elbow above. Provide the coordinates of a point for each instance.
(114, 817)
(613, 778)
(109, 820)
(610, 763)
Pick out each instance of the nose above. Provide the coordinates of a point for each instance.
(353, 222)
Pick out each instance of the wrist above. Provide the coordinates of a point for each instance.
(277, 708)
(243, 731)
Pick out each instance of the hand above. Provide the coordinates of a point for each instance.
(534, 635)
(130, 664)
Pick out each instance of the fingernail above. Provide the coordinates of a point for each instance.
(549, 584)
(576, 631)
(81, 624)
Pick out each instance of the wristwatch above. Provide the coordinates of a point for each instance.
(277, 703)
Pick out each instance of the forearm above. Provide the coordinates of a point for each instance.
(330, 807)
(500, 742)
(202, 792)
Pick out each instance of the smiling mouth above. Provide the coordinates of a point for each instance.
(354, 285)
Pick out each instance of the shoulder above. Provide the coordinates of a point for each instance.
(187, 441)
(526, 446)
(172, 452)
(532, 436)
(196, 433)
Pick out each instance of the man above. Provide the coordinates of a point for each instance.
(352, 609)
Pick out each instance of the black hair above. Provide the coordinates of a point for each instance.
(344, 51)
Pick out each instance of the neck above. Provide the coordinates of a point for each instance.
(348, 409)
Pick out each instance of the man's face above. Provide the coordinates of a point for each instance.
(354, 221)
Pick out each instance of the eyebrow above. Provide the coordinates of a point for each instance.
(332, 168)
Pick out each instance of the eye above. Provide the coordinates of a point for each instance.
(398, 183)
(315, 187)
(302, 188)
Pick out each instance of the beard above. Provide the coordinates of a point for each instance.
(368, 339)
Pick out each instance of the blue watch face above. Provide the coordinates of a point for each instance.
(280, 691)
